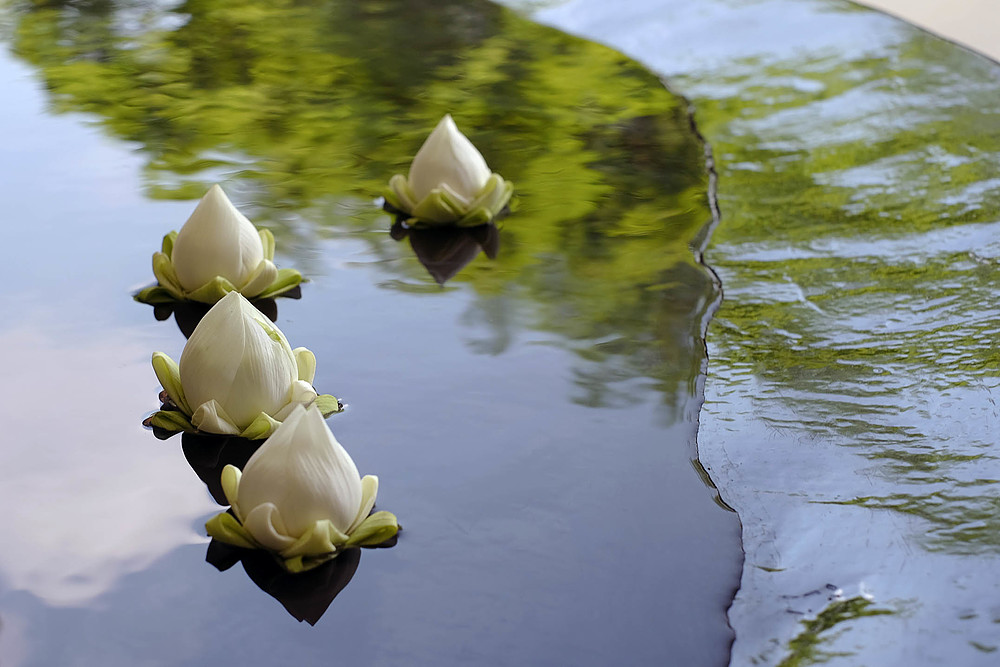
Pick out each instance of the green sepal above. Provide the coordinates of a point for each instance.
(320, 543)
(399, 195)
(230, 479)
(492, 199)
(376, 529)
(286, 280)
(172, 421)
(320, 540)
(166, 275)
(267, 240)
(169, 374)
(328, 405)
(437, 208)
(440, 209)
(261, 427)
(475, 217)
(226, 528)
(169, 289)
(212, 291)
(167, 248)
(305, 563)
(155, 295)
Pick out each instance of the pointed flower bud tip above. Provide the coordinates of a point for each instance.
(217, 240)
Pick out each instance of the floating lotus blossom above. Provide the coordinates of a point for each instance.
(217, 251)
(301, 498)
(449, 183)
(237, 375)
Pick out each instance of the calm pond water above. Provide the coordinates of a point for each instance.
(532, 421)
(850, 414)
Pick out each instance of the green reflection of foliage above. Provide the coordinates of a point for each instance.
(844, 185)
(806, 647)
(961, 522)
(306, 107)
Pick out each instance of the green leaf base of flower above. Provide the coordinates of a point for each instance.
(170, 420)
(328, 405)
(176, 415)
(321, 544)
(441, 208)
(376, 530)
(169, 290)
(168, 423)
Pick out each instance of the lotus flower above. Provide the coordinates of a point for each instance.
(237, 376)
(300, 497)
(449, 183)
(217, 251)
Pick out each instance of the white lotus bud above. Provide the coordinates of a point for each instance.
(300, 476)
(448, 183)
(217, 240)
(237, 364)
(448, 160)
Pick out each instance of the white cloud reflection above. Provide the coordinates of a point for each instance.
(89, 495)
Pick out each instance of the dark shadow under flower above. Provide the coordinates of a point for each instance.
(444, 251)
(208, 454)
(187, 314)
(306, 595)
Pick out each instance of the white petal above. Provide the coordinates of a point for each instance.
(217, 240)
(369, 490)
(210, 417)
(237, 357)
(305, 472)
(457, 196)
(265, 524)
(259, 279)
(449, 159)
(306, 362)
(302, 395)
(230, 487)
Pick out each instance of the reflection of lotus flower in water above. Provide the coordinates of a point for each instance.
(217, 251)
(305, 595)
(237, 375)
(300, 497)
(449, 182)
(209, 454)
(444, 251)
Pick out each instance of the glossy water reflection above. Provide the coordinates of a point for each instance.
(50, 469)
(446, 251)
(535, 417)
(612, 176)
(307, 595)
(209, 454)
(850, 414)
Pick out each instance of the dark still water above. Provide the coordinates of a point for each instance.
(532, 421)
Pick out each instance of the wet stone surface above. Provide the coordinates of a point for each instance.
(850, 414)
